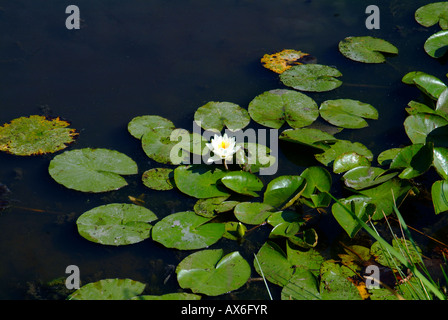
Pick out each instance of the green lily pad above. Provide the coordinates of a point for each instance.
(235, 230)
(92, 170)
(317, 179)
(437, 44)
(253, 212)
(200, 181)
(187, 231)
(439, 194)
(214, 116)
(348, 161)
(365, 177)
(335, 285)
(243, 182)
(210, 207)
(169, 296)
(358, 205)
(428, 84)
(305, 239)
(415, 107)
(440, 162)
(418, 126)
(308, 136)
(366, 49)
(303, 285)
(414, 160)
(282, 191)
(438, 137)
(108, 289)
(387, 156)
(254, 157)
(274, 108)
(341, 147)
(35, 135)
(384, 196)
(347, 113)
(311, 77)
(159, 178)
(442, 104)
(285, 217)
(430, 14)
(116, 224)
(211, 273)
(405, 246)
(138, 126)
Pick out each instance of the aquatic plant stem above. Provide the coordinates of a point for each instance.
(262, 275)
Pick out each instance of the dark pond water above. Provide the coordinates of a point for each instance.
(168, 58)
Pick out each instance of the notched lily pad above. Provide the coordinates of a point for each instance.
(214, 116)
(159, 178)
(92, 170)
(243, 182)
(35, 135)
(109, 289)
(312, 77)
(138, 126)
(340, 147)
(430, 14)
(366, 49)
(116, 224)
(347, 113)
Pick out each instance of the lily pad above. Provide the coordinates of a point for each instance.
(418, 126)
(366, 49)
(433, 13)
(414, 160)
(35, 135)
(210, 207)
(253, 212)
(312, 77)
(359, 206)
(92, 170)
(387, 156)
(243, 182)
(211, 273)
(169, 296)
(214, 116)
(365, 177)
(116, 224)
(439, 194)
(440, 162)
(437, 44)
(438, 137)
(109, 289)
(428, 84)
(335, 283)
(159, 178)
(274, 108)
(200, 181)
(348, 161)
(138, 126)
(347, 113)
(283, 60)
(308, 136)
(187, 231)
(282, 191)
(341, 147)
(405, 246)
(317, 179)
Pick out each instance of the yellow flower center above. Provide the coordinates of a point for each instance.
(224, 144)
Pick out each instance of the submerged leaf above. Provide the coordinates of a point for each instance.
(312, 77)
(275, 107)
(92, 170)
(116, 224)
(35, 135)
(283, 60)
(211, 273)
(366, 49)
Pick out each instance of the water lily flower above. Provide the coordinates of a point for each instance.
(223, 148)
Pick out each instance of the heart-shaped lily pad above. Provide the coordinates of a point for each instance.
(414, 160)
(274, 108)
(308, 136)
(428, 84)
(138, 126)
(282, 191)
(317, 179)
(347, 113)
(366, 49)
(116, 224)
(386, 157)
(187, 231)
(243, 182)
(437, 44)
(312, 77)
(214, 116)
(418, 126)
(159, 178)
(211, 273)
(200, 181)
(430, 14)
(210, 207)
(108, 289)
(341, 147)
(348, 161)
(303, 285)
(253, 212)
(35, 135)
(92, 170)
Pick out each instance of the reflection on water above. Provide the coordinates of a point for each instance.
(167, 58)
